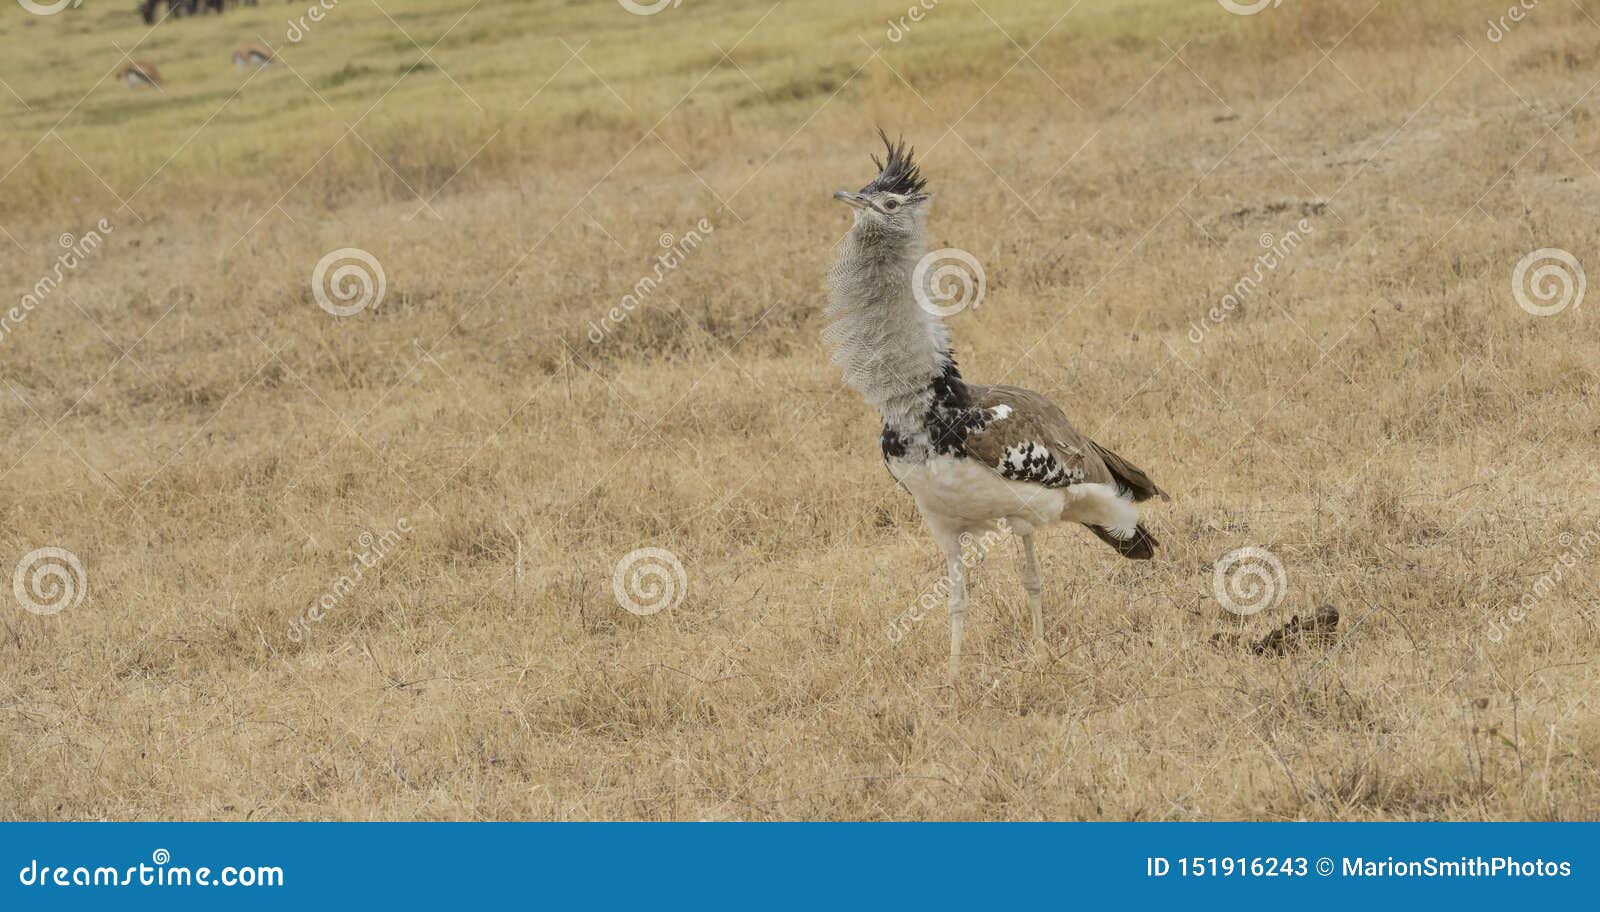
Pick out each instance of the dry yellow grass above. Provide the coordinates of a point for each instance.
(1381, 414)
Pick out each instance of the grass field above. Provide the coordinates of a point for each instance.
(361, 566)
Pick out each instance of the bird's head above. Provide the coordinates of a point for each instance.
(894, 202)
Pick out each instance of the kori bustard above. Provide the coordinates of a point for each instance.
(974, 458)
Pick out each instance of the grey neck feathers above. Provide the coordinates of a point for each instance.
(890, 349)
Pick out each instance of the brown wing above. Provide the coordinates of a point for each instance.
(1035, 442)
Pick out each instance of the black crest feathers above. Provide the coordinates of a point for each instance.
(897, 174)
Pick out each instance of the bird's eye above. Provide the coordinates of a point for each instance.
(890, 205)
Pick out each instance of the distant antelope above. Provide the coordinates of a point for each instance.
(251, 55)
(135, 74)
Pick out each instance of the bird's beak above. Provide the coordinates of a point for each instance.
(853, 199)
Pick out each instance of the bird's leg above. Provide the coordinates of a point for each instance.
(1030, 583)
(948, 534)
(958, 610)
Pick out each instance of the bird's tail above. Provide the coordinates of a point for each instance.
(1141, 545)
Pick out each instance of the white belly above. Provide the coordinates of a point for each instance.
(968, 494)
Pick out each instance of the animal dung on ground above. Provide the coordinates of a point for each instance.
(1316, 632)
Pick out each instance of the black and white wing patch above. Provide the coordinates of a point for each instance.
(1026, 439)
(1019, 449)
(1035, 462)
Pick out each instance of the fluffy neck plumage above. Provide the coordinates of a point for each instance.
(892, 351)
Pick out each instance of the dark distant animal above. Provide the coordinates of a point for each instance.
(148, 9)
